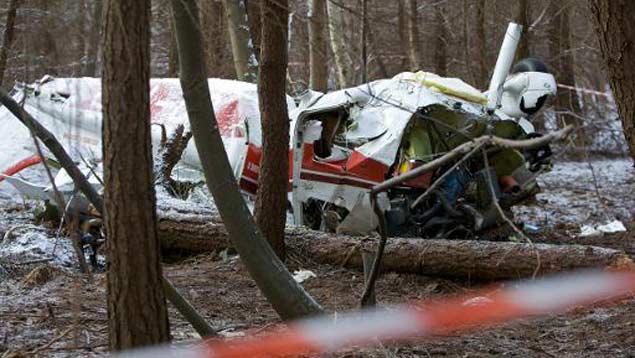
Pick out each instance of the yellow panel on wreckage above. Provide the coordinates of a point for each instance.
(450, 86)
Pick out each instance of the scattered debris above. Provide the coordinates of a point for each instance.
(302, 275)
(612, 227)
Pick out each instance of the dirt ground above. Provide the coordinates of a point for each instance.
(47, 309)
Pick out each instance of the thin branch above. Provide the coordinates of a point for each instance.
(445, 175)
(508, 221)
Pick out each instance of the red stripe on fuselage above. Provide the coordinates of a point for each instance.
(336, 180)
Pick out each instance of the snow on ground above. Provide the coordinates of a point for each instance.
(568, 200)
(29, 242)
(571, 197)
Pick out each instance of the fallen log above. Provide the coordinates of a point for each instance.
(461, 259)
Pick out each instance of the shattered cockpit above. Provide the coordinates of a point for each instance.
(348, 141)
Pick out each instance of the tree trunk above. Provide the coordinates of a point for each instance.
(215, 34)
(465, 45)
(616, 35)
(137, 313)
(337, 29)
(476, 260)
(402, 25)
(254, 18)
(440, 44)
(271, 200)
(413, 36)
(562, 53)
(47, 49)
(480, 45)
(522, 18)
(245, 61)
(318, 76)
(81, 182)
(173, 56)
(93, 44)
(8, 37)
(272, 277)
(462, 259)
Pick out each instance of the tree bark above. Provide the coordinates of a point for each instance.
(522, 18)
(254, 12)
(343, 60)
(137, 313)
(274, 280)
(93, 44)
(173, 56)
(48, 47)
(440, 44)
(414, 55)
(8, 36)
(271, 199)
(465, 45)
(616, 34)
(318, 76)
(402, 25)
(462, 259)
(245, 61)
(561, 52)
(480, 44)
(215, 34)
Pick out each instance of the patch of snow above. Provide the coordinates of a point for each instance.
(569, 195)
(589, 231)
(302, 275)
(612, 227)
(30, 242)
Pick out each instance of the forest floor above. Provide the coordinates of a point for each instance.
(50, 309)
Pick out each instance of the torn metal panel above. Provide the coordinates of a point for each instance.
(71, 109)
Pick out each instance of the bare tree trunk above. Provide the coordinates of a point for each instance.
(343, 60)
(47, 49)
(413, 36)
(440, 44)
(364, 48)
(402, 24)
(137, 313)
(466, 40)
(271, 200)
(616, 34)
(563, 64)
(242, 45)
(254, 18)
(93, 48)
(480, 45)
(215, 34)
(8, 37)
(173, 56)
(317, 46)
(272, 277)
(81, 182)
(461, 259)
(522, 18)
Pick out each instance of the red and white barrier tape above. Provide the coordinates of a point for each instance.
(326, 334)
(19, 166)
(584, 90)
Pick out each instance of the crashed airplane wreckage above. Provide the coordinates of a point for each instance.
(343, 144)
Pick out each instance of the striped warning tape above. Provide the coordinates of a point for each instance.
(21, 165)
(584, 90)
(326, 334)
